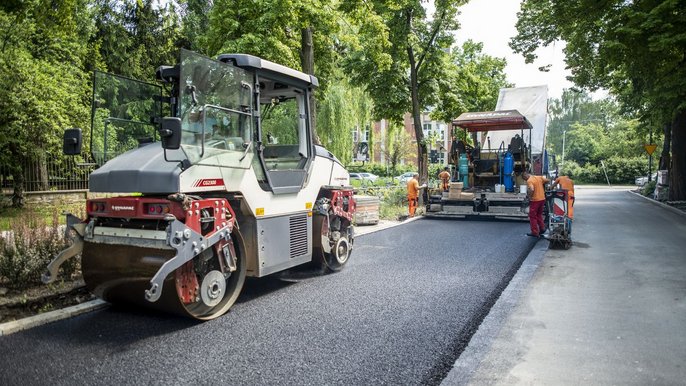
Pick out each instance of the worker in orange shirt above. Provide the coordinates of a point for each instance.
(445, 179)
(536, 193)
(567, 184)
(413, 193)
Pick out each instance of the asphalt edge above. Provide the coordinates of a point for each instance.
(658, 203)
(64, 313)
(361, 230)
(480, 343)
(52, 316)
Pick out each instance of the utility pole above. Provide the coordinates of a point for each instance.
(564, 135)
(650, 158)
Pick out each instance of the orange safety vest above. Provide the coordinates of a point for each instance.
(412, 188)
(535, 183)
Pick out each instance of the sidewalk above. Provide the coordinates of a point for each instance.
(611, 310)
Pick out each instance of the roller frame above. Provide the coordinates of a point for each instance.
(188, 244)
(80, 228)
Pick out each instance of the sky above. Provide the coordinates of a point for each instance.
(492, 22)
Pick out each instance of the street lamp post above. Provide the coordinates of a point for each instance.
(564, 135)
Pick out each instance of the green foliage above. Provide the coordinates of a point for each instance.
(635, 49)
(620, 170)
(27, 250)
(272, 30)
(134, 37)
(417, 45)
(399, 146)
(42, 83)
(472, 83)
(596, 131)
(648, 189)
(340, 109)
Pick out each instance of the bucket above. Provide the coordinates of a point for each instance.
(522, 189)
(498, 188)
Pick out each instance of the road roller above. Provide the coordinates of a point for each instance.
(205, 177)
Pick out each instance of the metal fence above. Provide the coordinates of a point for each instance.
(50, 174)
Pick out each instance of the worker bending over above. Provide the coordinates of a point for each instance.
(445, 179)
(567, 184)
(536, 193)
(413, 193)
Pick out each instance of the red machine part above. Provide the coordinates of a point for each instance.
(342, 203)
(194, 213)
(133, 207)
(187, 284)
(560, 202)
(200, 213)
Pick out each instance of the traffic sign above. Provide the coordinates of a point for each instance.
(650, 148)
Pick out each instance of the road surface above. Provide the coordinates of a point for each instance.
(399, 313)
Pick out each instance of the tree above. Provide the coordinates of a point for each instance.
(134, 37)
(297, 34)
(341, 108)
(576, 107)
(472, 82)
(418, 46)
(635, 49)
(398, 145)
(42, 82)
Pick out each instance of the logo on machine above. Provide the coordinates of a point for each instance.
(119, 208)
(208, 182)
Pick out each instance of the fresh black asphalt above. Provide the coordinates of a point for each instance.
(400, 312)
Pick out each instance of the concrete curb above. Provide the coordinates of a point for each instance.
(480, 343)
(49, 317)
(361, 230)
(658, 203)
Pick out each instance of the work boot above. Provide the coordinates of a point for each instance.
(533, 235)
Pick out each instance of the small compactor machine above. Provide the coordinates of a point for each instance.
(204, 178)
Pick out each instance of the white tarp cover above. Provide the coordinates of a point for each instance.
(532, 102)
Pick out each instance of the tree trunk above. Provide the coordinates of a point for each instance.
(422, 157)
(307, 63)
(39, 173)
(664, 157)
(18, 186)
(677, 180)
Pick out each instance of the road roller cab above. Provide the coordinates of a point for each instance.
(206, 177)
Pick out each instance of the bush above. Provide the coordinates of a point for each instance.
(619, 171)
(648, 189)
(26, 251)
(625, 170)
(381, 170)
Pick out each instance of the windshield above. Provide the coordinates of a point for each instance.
(215, 107)
(124, 113)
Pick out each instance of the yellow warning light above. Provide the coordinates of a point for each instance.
(259, 211)
(308, 205)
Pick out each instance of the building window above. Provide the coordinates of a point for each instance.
(441, 131)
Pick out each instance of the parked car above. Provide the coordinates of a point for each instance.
(640, 181)
(403, 178)
(369, 177)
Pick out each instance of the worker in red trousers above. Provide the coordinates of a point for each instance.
(536, 192)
